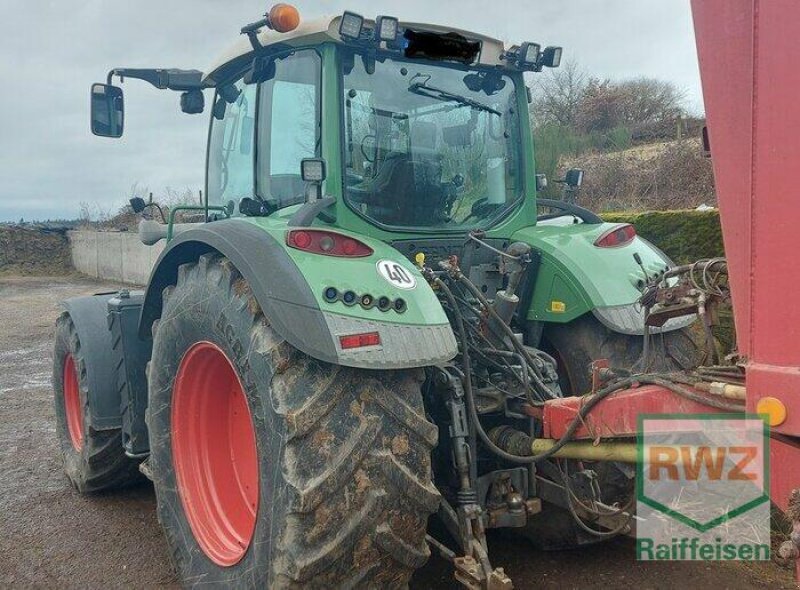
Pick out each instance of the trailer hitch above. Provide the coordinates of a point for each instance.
(472, 569)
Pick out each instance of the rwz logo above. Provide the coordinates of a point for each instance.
(687, 463)
(703, 478)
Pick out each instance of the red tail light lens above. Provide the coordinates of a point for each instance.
(327, 243)
(360, 340)
(616, 236)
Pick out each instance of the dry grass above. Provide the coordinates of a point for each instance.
(657, 176)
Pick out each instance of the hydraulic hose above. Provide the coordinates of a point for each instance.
(537, 377)
(470, 399)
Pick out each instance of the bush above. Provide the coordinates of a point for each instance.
(684, 236)
(673, 175)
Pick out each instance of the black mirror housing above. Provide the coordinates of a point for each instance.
(137, 204)
(107, 110)
(193, 102)
(574, 178)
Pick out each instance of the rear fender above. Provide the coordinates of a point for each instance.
(576, 277)
(90, 317)
(283, 290)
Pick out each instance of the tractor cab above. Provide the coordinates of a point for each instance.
(416, 128)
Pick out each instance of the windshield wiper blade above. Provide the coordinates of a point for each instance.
(423, 89)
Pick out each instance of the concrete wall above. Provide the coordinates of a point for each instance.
(117, 256)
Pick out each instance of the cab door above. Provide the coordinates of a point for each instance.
(261, 131)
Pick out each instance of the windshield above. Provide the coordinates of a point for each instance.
(430, 146)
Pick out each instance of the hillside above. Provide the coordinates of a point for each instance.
(654, 176)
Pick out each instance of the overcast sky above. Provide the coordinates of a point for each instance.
(50, 53)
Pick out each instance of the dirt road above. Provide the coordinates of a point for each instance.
(52, 537)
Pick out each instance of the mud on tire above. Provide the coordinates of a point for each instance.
(343, 454)
(100, 463)
(576, 344)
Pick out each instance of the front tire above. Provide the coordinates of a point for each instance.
(576, 344)
(341, 457)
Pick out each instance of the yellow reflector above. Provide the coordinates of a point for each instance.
(284, 18)
(773, 408)
(558, 306)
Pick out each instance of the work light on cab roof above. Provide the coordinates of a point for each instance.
(387, 32)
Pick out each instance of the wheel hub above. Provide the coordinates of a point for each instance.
(72, 403)
(214, 453)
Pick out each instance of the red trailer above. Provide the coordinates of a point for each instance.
(749, 58)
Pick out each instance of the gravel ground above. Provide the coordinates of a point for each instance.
(52, 537)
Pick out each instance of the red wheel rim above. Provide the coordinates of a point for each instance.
(72, 403)
(214, 453)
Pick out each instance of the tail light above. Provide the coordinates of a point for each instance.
(359, 340)
(327, 243)
(617, 236)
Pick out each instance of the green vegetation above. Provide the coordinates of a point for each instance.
(684, 236)
(635, 139)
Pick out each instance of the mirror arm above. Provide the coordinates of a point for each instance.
(164, 79)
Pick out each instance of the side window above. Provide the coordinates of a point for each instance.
(289, 127)
(231, 147)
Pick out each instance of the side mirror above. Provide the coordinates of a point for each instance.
(107, 110)
(138, 204)
(541, 182)
(706, 142)
(574, 178)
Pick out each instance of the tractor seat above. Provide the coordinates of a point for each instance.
(383, 194)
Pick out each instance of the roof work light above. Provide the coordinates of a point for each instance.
(386, 28)
(551, 57)
(351, 25)
(528, 54)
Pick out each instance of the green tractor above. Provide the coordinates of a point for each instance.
(372, 305)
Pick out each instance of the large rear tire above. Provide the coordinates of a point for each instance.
(94, 460)
(575, 346)
(332, 464)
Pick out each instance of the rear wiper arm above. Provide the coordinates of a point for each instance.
(440, 94)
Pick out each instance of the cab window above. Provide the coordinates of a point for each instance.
(289, 126)
(231, 145)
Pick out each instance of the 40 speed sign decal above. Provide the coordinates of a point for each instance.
(396, 275)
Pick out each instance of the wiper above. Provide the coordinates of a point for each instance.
(422, 89)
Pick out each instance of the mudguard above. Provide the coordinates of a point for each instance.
(287, 300)
(89, 314)
(576, 277)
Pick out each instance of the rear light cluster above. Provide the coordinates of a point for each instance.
(327, 243)
(616, 236)
(359, 340)
(367, 301)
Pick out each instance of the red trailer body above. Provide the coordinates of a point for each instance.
(750, 67)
